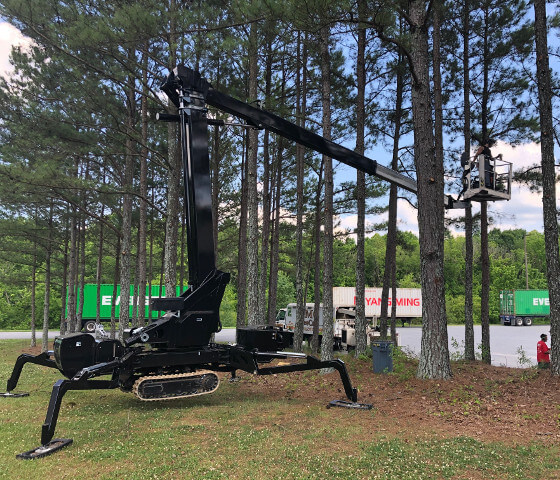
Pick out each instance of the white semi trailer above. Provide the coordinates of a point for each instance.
(408, 303)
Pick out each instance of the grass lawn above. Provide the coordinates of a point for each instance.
(243, 431)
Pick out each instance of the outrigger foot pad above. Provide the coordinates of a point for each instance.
(44, 450)
(14, 395)
(346, 404)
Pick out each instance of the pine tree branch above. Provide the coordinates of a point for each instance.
(401, 48)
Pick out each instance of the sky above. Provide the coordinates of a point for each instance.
(524, 210)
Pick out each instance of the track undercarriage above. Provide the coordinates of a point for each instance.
(179, 385)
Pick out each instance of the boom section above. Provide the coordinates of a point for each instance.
(189, 79)
(198, 192)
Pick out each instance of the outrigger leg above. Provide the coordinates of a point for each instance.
(313, 363)
(48, 445)
(41, 359)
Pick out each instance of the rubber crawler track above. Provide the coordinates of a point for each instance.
(199, 373)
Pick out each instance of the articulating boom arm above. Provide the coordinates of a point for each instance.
(190, 80)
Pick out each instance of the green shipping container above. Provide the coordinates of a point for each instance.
(524, 303)
(106, 295)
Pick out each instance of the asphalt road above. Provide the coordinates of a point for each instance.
(227, 335)
(507, 344)
(23, 335)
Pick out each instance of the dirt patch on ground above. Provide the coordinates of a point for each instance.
(515, 406)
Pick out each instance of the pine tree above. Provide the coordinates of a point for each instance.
(361, 323)
(549, 176)
(328, 310)
(434, 357)
(504, 108)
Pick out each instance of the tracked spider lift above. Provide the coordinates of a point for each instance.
(173, 356)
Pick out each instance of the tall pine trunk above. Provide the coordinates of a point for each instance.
(115, 287)
(437, 91)
(484, 256)
(469, 324)
(389, 278)
(301, 91)
(252, 193)
(143, 207)
(126, 232)
(72, 275)
(64, 285)
(275, 247)
(174, 174)
(550, 214)
(327, 352)
(99, 266)
(317, 241)
(267, 186)
(434, 357)
(275, 240)
(82, 271)
(34, 294)
(47, 297)
(485, 286)
(361, 339)
(242, 247)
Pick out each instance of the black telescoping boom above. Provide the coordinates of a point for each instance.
(192, 81)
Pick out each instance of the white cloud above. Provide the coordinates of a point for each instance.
(521, 156)
(9, 36)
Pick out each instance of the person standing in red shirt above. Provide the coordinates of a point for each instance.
(543, 352)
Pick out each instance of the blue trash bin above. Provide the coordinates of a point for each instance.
(382, 356)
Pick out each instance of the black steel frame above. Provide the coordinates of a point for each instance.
(180, 340)
(135, 362)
